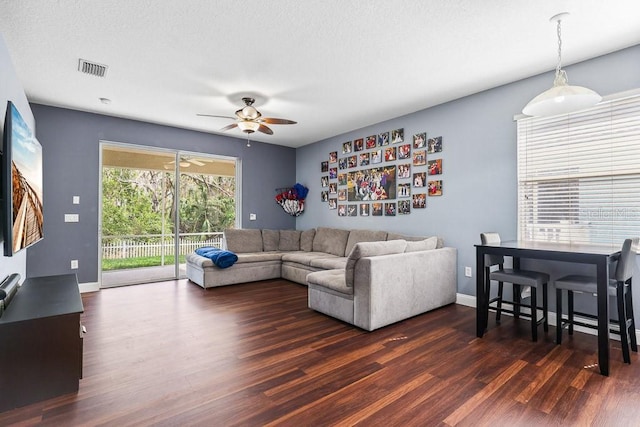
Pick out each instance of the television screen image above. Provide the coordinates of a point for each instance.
(22, 184)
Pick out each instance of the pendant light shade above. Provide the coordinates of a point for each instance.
(562, 98)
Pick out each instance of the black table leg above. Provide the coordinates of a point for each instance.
(481, 309)
(603, 315)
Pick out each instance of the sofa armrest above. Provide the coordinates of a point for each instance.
(390, 288)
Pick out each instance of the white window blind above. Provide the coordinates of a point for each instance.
(579, 174)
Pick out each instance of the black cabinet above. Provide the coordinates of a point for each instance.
(41, 341)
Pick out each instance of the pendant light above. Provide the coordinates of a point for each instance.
(561, 98)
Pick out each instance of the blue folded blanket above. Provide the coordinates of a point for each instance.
(220, 257)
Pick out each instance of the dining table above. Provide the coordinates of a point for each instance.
(602, 256)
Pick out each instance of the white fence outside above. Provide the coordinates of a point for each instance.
(123, 247)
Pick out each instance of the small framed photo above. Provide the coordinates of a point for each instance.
(346, 147)
(352, 210)
(342, 195)
(324, 196)
(390, 154)
(435, 167)
(342, 210)
(434, 145)
(377, 209)
(419, 140)
(342, 163)
(419, 179)
(404, 151)
(342, 179)
(390, 209)
(364, 159)
(324, 167)
(358, 144)
(370, 142)
(364, 209)
(333, 157)
(383, 139)
(419, 201)
(324, 181)
(404, 190)
(376, 156)
(333, 173)
(333, 188)
(435, 188)
(397, 136)
(353, 161)
(333, 204)
(404, 171)
(404, 207)
(419, 158)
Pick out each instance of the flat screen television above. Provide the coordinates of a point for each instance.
(22, 219)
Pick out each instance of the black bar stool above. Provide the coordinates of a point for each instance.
(619, 287)
(517, 278)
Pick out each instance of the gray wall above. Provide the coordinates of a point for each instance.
(11, 90)
(70, 145)
(479, 161)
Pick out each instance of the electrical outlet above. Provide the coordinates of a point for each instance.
(252, 217)
(467, 272)
(74, 264)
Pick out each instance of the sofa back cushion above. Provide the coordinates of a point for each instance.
(357, 236)
(330, 240)
(289, 240)
(367, 249)
(243, 240)
(396, 236)
(422, 245)
(306, 240)
(270, 240)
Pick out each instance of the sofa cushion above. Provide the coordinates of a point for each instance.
(248, 257)
(270, 240)
(304, 258)
(306, 240)
(329, 263)
(367, 249)
(357, 236)
(422, 245)
(396, 236)
(330, 240)
(243, 240)
(289, 240)
(330, 279)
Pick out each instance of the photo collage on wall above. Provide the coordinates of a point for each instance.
(387, 174)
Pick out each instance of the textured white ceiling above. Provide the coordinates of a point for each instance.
(331, 65)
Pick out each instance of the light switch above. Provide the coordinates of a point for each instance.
(76, 200)
(71, 218)
(252, 217)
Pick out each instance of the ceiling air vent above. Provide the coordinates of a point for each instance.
(92, 68)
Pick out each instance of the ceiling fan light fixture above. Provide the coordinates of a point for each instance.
(248, 126)
(562, 98)
(250, 112)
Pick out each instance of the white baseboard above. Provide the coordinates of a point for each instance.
(89, 287)
(470, 301)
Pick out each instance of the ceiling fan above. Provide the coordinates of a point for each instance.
(250, 120)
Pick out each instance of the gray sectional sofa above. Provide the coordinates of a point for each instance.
(368, 278)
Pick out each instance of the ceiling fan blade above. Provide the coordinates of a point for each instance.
(274, 121)
(196, 162)
(231, 126)
(213, 115)
(265, 129)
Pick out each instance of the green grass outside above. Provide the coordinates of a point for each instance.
(151, 261)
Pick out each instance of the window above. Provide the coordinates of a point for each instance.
(579, 174)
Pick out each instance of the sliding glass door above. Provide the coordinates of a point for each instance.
(157, 206)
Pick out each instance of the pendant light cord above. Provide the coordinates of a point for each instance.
(561, 76)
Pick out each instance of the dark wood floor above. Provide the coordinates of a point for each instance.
(174, 354)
